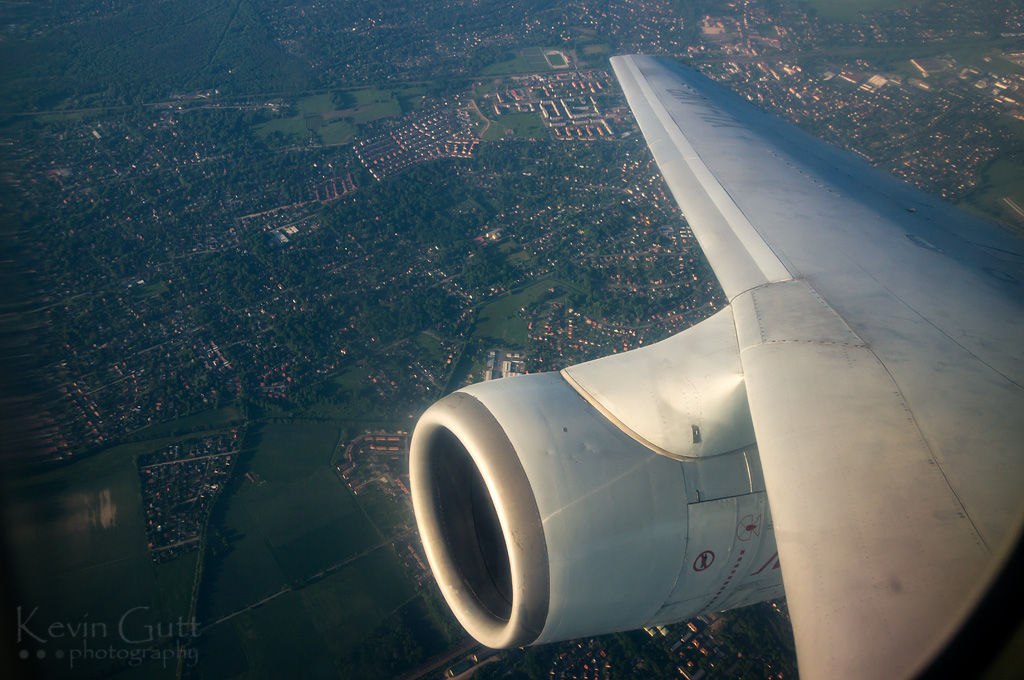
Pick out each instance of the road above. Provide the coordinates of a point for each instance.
(487, 122)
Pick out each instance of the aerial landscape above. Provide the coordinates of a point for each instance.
(246, 243)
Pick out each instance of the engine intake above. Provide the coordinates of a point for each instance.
(543, 520)
(479, 523)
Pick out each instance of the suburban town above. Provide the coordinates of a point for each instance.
(236, 281)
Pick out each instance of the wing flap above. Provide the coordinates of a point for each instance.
(878, 555)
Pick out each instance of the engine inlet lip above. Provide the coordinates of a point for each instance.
(463, 417)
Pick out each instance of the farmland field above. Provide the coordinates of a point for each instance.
(77, 536)
(296, 520)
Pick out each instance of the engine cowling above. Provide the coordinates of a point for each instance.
(543, 520)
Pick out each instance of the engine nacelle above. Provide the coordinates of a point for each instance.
(543, 520)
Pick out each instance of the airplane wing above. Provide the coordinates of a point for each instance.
(881, 342)
(852, 419)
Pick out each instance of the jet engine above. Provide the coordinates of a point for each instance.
(545, 516)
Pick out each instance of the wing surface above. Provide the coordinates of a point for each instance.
(881, 337)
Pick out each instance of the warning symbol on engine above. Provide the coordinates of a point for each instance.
(748, 527)
(704, 560)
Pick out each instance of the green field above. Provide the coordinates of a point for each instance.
(77, 542)
(526, 125)
(312, 525)
(499, 323)
(556, 60)
(486, 87)
(221, 653)
(984, 57)
(1002, 180)
(244, 569)
(387, 516)
(376, 111)
(294, 126)
(429, 344)
(513, 64)
(357, 405)
(367, 104)
(299, 633)
(535, 60)
(347, 605)
(335, 118)
(297, 521)
(279, 639)
(352, 378)
(337, 132)
(411, 97)
(370, 95)
(281, 534)
(294, 450)
(318, 103)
